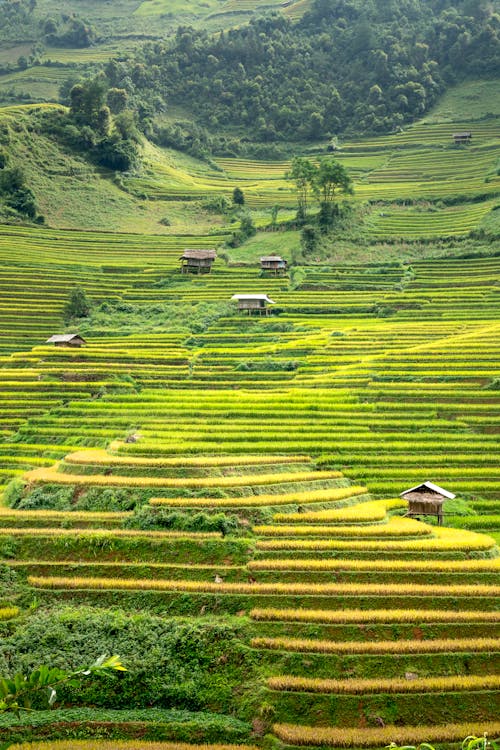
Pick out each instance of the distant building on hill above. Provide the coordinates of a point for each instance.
(461, 138)
(253, 303)
(66, 339)
(197, 261)
(427, 499)
(273, 263)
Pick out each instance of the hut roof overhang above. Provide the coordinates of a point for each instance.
(270, 258)
(64, 338)
(464, 134)
(263, 297)
(429, 487)
(198, 255)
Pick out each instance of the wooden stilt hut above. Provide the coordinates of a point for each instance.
(274, 264)
(462, 138)
(427, 499)
(253, 303)
(66, 339)
(197, 261)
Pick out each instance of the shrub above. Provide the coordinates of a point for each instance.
(149, 517)
(170, 662)
(78, 305)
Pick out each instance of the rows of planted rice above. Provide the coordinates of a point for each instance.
(253, 467)
(178, 572)
(377, 647)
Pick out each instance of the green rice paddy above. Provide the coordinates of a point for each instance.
(367, 379)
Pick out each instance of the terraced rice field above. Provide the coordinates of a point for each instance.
(413, 185)
(416, 620)
(324, 572)
(294, 435)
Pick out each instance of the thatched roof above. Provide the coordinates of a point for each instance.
(263, 297)
(198, 255)
(270, 258)
(465, 134)
(427, 491)
(64, 338)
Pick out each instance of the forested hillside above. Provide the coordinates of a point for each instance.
(347, 65)
(340, 66)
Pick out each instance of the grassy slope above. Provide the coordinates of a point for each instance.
(419, 165)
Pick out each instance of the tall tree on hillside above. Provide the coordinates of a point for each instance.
(78, 305)
(86, 100)
(302, 172)
(331, 179)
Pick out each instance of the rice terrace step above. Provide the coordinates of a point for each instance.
(249, 348)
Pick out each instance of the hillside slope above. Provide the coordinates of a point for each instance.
(415, 185)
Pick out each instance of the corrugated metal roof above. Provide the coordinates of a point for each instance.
(199, 255)
(272, 257)
(430, 486)
(60, 338)
(253, 296)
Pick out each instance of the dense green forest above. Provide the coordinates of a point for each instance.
(346, 66)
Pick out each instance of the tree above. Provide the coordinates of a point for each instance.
(302, 172)
(86, 100)
(103, 125)
(78, 305)
(19, 692)
(238, 197)
(117, 100)
(331, 177)
(16, 193)
(309, 239)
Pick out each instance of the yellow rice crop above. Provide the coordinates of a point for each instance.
(370, 511)
(51, 474)
(436, 645)
(373, 615)
(358, 686)
(111, 533)
(395, 527)
(307, 496)
(61, 515)
(101, 457)
(299, 589)
(7, 613)
(434, 566)
(120, 745)
(443, 539)
(295, 734)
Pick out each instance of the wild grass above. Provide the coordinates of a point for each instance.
(431, 566)
(108, 533)
(394, 528)
(373, 615)
(8, 613)
(45, 476)
(296, 734)
(427, 646)
(101, 457)
(319, 589)
(443, 539)
(250, 501)
(60, 515)
(370, 511)
(120, 745)
(357, 686)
